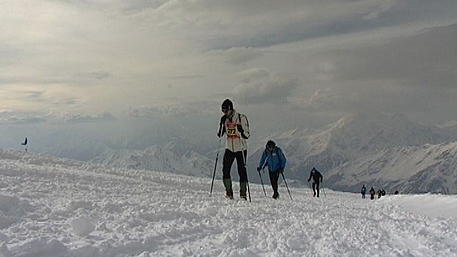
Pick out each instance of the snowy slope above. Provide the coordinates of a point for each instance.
(432, 205)
(53, 207)
(427, 168)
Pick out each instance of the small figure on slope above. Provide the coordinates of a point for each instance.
(363, 191)
(372, 193)
(276, 162)
(316, 176)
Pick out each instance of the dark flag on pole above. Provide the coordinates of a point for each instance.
(25, 144)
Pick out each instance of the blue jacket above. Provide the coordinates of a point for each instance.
(275, 159)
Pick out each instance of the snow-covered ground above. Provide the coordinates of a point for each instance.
(53, 207)
(437, 206)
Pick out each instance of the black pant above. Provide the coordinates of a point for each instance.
(229, 157)
(274, 176)
(316, 188)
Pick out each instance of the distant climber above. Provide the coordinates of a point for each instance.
(316, 176)
(372, 193)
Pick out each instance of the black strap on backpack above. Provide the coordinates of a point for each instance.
(247, 123)
(279, 158)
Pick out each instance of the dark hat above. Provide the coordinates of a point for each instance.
(227, 104)
(270, 143)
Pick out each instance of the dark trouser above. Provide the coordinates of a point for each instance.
(229, 157)
(363, 195)
(316, 188)
(274, 176)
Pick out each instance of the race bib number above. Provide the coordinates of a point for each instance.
(232, 131)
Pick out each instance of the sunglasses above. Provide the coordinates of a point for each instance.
(225, 110)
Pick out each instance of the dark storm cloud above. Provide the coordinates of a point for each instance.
(99, 75)
(258, 86)
(331, 20)
(23, 120)
(427, 59)
(135, 6)
(35, 96)
(72, 118)
(238, 55)
(62, 118)
(67, 54)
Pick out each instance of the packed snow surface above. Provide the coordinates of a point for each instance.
(439, 206)
(53, 207)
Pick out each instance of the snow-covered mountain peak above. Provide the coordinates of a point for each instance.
(341, 122)
(425, 168)
(362, 140)
(400, 117)
(157, 158)
(153, 150)
(448, 124)
(365, 131)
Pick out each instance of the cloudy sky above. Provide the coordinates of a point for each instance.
(98, 60)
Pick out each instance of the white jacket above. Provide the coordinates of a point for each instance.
(236, 141)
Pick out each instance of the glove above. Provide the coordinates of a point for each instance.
(223, 119)
(240, 128)
(281, 170)
(220, 133)
(221, 126)
(258, 169)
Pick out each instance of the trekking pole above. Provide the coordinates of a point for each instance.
(249, 191)
(323, 190)
(284, 178)
(215, 167)
(261, 180)
(310, 187)
(245, 160)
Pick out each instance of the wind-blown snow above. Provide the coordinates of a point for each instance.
(438, 206)
(55, 207)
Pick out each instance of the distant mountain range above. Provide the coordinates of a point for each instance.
(426, 168)
(359, 149)
(171, 158)
(389, 152)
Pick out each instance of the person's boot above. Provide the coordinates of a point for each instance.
(228, 188)
(243, 187)
(276, 195)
